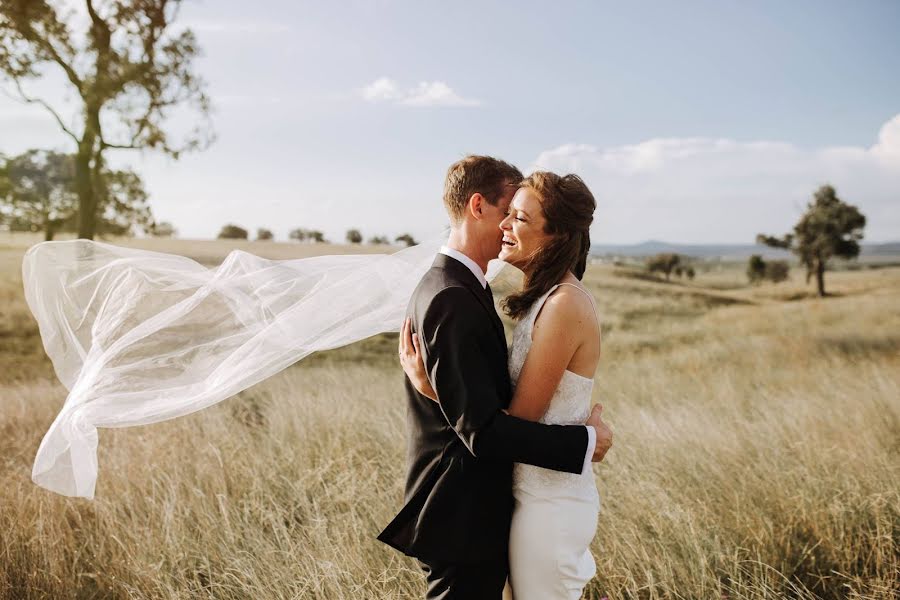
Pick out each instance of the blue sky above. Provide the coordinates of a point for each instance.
(692, 121)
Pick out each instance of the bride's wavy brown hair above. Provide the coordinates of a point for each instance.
(568, 208)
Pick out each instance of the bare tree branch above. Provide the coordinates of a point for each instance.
(106, 144)
(44, 43)
(29, 100)
(70, 72)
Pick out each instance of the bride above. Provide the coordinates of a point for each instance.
(552, 361)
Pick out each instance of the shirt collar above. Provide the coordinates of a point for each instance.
(471, 264)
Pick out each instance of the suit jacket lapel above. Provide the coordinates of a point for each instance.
(462, 273)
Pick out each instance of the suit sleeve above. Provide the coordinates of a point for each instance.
(457, 334)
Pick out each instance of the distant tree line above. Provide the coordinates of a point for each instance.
(353, 236)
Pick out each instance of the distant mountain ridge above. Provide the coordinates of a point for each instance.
(651, 247)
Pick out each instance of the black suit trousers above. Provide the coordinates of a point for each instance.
(465, 581)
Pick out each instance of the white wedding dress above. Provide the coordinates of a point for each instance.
(555, 513)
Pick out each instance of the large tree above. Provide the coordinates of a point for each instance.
(828, 228)
(128, 67)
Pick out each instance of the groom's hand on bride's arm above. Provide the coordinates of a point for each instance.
(604, 433)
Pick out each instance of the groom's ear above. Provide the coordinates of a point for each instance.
(476, 205)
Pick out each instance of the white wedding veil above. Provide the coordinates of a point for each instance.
(139, 337)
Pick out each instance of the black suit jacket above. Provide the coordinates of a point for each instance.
(461, 449)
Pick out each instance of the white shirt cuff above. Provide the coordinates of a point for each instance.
(591, 446)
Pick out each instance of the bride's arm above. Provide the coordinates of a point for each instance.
(413, 362)
(557, 334)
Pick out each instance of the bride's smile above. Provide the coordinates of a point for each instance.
(523, 229)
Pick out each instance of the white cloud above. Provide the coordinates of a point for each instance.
(381, 89)
(722, 190)
(436, 93)
(425, 94)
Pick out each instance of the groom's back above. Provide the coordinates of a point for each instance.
(457, 506)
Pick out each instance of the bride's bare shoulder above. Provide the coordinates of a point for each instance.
(569, 306)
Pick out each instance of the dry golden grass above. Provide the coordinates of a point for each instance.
(757, 456)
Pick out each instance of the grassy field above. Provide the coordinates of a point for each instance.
(757, 455)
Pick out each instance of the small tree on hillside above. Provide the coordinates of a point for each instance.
(406, 239)
(828, 228)
(756, 269)
(164, 229)
(777, 270)
(664, 263)
(307, 235)
(379, 240)
(354, 236)
(263, 234)
(232, 232)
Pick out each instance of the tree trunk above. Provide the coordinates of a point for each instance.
(85, 188)
(820, 276)
(87, 162)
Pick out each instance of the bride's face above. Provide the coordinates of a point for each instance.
(523, 229)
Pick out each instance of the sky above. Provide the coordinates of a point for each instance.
(691, 122)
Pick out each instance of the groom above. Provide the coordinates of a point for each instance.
(458, 500)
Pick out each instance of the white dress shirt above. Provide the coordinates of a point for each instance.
(473, 266)
(476, 270)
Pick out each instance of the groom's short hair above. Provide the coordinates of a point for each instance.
(483, 174)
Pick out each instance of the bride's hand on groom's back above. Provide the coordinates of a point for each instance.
(412, 361)
(604, 433)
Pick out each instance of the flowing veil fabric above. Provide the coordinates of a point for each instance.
(139, 337)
